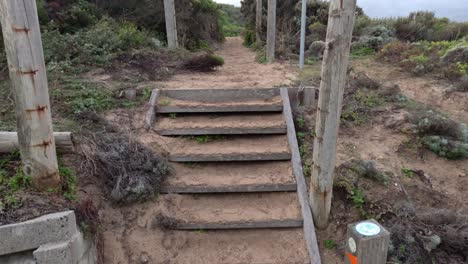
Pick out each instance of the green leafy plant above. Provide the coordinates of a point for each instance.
(68, 182)
(19, 181)
(329, 244)
(173, 115)
(362, 52)
(307, 169)
(303, 150)
(300, 121)
(206, 138)
(301, 136)
(407, 172)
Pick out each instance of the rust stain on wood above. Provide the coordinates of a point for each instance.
(325, 194)
(30, 72)
(25, 30)
(39, 109)
(44, 144)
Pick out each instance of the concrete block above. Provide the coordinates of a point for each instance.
(32, 234)
(71, 251)
(18, 258)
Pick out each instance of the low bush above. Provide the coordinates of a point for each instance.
(249, 37)
(94, 46)
(448, 57)
(462, 85)
(443, 136)
(425, 26)
(446, 147)
(318, 31)
(204, 63)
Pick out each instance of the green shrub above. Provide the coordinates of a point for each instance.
(93, 46)
(318, 31)
(130, 37)
(229, 27)
(445, 147)
(68, 182)
(425, 26)
(462, 85)
(362, 51)
(445, 59)
(249, 37)
(42, 12)
(206, 5)
(79, 15)
(204, 63)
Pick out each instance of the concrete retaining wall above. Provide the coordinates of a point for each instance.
(49, 239)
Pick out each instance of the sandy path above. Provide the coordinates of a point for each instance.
(239, 71)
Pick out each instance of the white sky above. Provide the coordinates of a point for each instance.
(453, 9)
(232, 2)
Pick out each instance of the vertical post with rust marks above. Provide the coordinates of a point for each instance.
(334, 71)
(171, 24)
(23, 47)
(271, 31)
(258, 23)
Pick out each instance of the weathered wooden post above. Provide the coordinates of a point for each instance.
(23, 47)
(271, 31)
(367, 243)
(171, 24)
(334, 69)
(303, 33)
(258, 23)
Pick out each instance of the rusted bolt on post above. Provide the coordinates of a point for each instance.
(367, 243)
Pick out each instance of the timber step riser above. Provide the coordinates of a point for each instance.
(288, 223)
(223, 158)
(230, 189)
(220, 131)
(214, 109)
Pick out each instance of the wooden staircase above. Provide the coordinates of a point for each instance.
(238, 165)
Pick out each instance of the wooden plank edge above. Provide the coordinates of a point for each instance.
(286, 223)
(288, 187)
(230, 157)
(219, 109)
(220, 94)
(309, 227)
(152, 105)
(220, 131)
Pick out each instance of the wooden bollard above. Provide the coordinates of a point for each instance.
(367, 243)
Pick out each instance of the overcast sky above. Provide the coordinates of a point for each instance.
(453, 9)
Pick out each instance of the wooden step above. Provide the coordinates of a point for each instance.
(234, 211)
(219, 100)
(230, 148)
(231, 177)
(221, 124)
(252, 246)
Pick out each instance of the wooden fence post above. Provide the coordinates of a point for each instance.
(367, 243)
(334, 71)
(23, 47)
(271, 31)
(258, 23)
(303, 34)
(171, 24)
